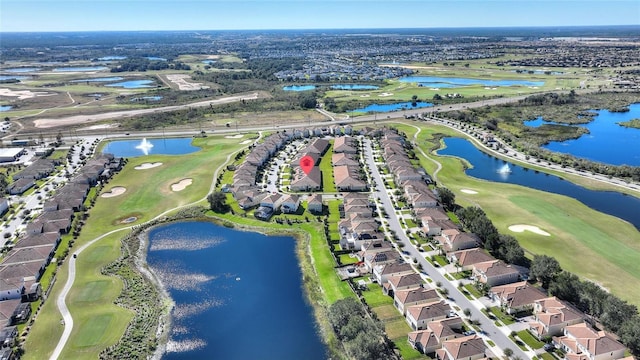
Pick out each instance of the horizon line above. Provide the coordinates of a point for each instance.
(320, 29)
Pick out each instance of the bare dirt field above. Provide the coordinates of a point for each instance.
(181, 81)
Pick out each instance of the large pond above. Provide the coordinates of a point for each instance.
(21, 70)
(5, 108)
(102, 79)
(393, 107)
(141, 147)
(299, 87)
(488, 168)
(238, 295)
(453, 82)
(133, 84)
(80, 69)
(607, 141)
(12, 77)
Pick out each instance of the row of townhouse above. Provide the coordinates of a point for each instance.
(358, 224)
(26, 178)
(311, 181)
(23, 266)
(436, 328)
(347, 169)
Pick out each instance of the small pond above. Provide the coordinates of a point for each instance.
(133, 84)
(141, 147)
(10, 77)
(453, 82)
(114, 57)
(155, 58)
(148, 98)
(5, 108)
(354, 87)
(22, 70)
(299, 87)
(393, 107)
(102, 79)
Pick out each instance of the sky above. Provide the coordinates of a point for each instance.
(113, 15)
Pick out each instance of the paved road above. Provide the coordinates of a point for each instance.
(495, 333)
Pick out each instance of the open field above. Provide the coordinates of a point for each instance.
(584, 241)
(102, 324)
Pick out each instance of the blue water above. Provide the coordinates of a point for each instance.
(114, 57)
(354, 87)
(80, 68)
(102, 79)
(133, 84)
(21, 70)
(539, 121)
(607, 141)
(155, 58)
(172, 146)
(299, 87)
(208, 62)
(238, 295)
(486, 167)
(441, 82)
(5, 108)
(148, 98)
(393, 107)
(9, 77)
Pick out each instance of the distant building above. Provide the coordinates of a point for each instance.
(10, 154)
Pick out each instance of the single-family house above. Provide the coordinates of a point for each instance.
(381, 258)
(429, 340)
(314, 204)
(290, 204)
(464, 348)
(453, 240)
(495, 272)
(552, 315)
(273, 201)
(402, 282)
(580, 341)
(382, 273)
(414, 296)
(516, 297)
(418, 316)
(465, 259)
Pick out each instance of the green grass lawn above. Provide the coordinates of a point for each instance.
(505, 318)
(345, 259)
(328, 184)
(530, 340)
(375, 297)
(471, 289)
(441, 260)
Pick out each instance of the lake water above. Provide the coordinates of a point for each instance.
(114, 57)
(10, 77)
(539, 121)
(299, 87)
(80, 68)
(382, 108)
(102, 79)
(172, 146)
(133, 84)
(238, 295)
(486, 167)
(5, 108)
(607, 141)
(148, 98)
(21, 70)
(354, 87)
(208, 62)
(155, 58)
(447, 82)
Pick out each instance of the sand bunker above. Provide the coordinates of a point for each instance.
(245, 142)
(238, 136)
(147, 166)
(531, 228)
(183, 84)
(181, 185)
(23, 94)
(467, 191)
(118, 190)
(365, 95)
(385, 94)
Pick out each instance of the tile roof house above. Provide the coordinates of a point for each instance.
(429, 340)
(314, 204)
(414, 296)
(347, 178)
(20, 186)
(343, 159)
(581, 342)
(345, 144)
(516, 297)
(402, 282)
(552, 315)
(468, 257)
(418, 316)
(381, 258)
(290, 204)
(273, 201)
(467, 348)
(453, 240)
(308, 182)
(383, 272)
(495, 272)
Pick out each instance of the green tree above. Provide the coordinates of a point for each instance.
(545, 268)
(342, 310)
(566, 286)
(218, 202)
(630, 335)
(447, 198)
(508, 352)
(511, 251)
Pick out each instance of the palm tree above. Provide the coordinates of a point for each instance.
(467, 312)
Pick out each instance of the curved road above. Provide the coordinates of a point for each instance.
(61, 299)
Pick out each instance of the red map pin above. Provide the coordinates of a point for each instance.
(306, 163)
